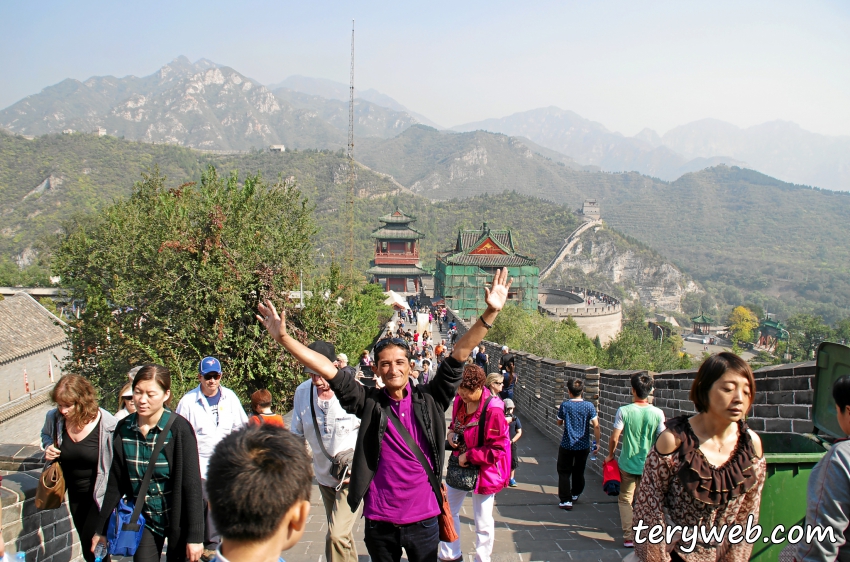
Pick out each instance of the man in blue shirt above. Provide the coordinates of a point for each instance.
(577, 416)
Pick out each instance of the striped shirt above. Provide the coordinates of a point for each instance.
(137, 453)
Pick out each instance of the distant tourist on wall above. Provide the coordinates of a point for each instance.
(514, 432)
(261, 406)
(639, 423)
(577, 416)
(125, 402)
(78, 435)
(829, 489)
(682, 484)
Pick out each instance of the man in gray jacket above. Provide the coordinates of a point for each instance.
(829, 491)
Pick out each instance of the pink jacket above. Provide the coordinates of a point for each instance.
(494, 456)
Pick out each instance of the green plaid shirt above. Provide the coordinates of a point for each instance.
(137, 452)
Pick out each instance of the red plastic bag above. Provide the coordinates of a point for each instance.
(611, 477)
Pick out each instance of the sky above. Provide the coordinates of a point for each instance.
(627, 65)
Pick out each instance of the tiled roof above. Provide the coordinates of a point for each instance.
(27, 327)
(487, 260)
(397, 217)
(702, 319)
(396, 233)
(469, 239)
(396, 270)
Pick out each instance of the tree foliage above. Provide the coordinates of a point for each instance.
(171, 275)
(633, 348)
(743, 323)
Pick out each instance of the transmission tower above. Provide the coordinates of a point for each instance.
(351, 175)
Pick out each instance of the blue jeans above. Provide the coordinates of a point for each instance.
(420, 540)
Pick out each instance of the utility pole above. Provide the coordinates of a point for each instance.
(351, 178)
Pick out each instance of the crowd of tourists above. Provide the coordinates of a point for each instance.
(216, 484)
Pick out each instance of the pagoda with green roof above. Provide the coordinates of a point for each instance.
(702, 324)
(396, 264)
(463, 272)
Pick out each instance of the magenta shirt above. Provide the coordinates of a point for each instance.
(400, 492)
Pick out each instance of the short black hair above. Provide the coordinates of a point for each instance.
(575, 387)
(255, 475)
(841, 392)
(711, 370)
(643, 384)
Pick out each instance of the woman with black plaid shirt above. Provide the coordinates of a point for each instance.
(173, 507)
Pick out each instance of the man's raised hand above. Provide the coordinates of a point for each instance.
(497, 294)
(273, 322)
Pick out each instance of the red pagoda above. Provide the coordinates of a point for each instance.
(396, 265)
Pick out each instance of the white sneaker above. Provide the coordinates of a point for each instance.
(566, 505)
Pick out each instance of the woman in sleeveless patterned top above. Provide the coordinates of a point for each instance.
(707, 470)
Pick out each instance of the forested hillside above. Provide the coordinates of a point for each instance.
(746, 236)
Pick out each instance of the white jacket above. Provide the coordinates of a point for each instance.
(194, 407)
(338, 429)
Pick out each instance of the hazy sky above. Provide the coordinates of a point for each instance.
(628, 65)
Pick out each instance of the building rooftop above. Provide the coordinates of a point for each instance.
(27, 327)
(487, 248)
(397, 217)
(702, 319)
(410, 270)
(390, 233)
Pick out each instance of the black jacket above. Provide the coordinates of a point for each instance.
(430, 402)
(187, 508)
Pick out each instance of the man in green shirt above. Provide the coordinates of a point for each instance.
(639, 424)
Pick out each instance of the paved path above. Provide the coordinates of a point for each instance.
(529, 524)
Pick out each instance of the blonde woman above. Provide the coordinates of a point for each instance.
(125, 402)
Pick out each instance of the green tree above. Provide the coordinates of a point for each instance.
(635, 347)
(806, 332)
(743, 324)
(173, 274)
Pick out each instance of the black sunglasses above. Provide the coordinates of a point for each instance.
(210, 376)
(394, 341)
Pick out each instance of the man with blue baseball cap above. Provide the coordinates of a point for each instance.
(214, 412)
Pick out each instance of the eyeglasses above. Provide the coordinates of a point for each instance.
(210, 376)
(394, 341)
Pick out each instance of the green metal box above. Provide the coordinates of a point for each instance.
(791, 457)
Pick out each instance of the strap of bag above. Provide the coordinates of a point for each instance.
(316, 427)
(414, 448)
(133, 524)
(482, 420)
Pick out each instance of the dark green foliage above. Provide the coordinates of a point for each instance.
(633, 348)
(173, 274)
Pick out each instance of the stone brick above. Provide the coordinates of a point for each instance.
(777, 426)
(798, 412)
(756, 424)
(766, 411)
(783, 397)
(802, 426)
(804, 397)
(794, 383)
(767, 385)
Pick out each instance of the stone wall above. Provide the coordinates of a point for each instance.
(43, 535)
(782, 403)
(37, 367)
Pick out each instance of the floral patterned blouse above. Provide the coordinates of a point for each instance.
(683, 488)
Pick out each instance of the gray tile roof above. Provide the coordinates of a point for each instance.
(409, 270)
(27, 327)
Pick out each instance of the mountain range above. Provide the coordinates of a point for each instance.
(201, 105)
(213, 107)
(779, 148)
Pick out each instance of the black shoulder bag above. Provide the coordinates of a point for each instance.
(341, 463)
(465, 477)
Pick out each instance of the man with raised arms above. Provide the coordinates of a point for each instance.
(399, 504)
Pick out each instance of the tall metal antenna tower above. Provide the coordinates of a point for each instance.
(351, 175)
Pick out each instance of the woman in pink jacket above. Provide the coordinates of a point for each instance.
(480, 462)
